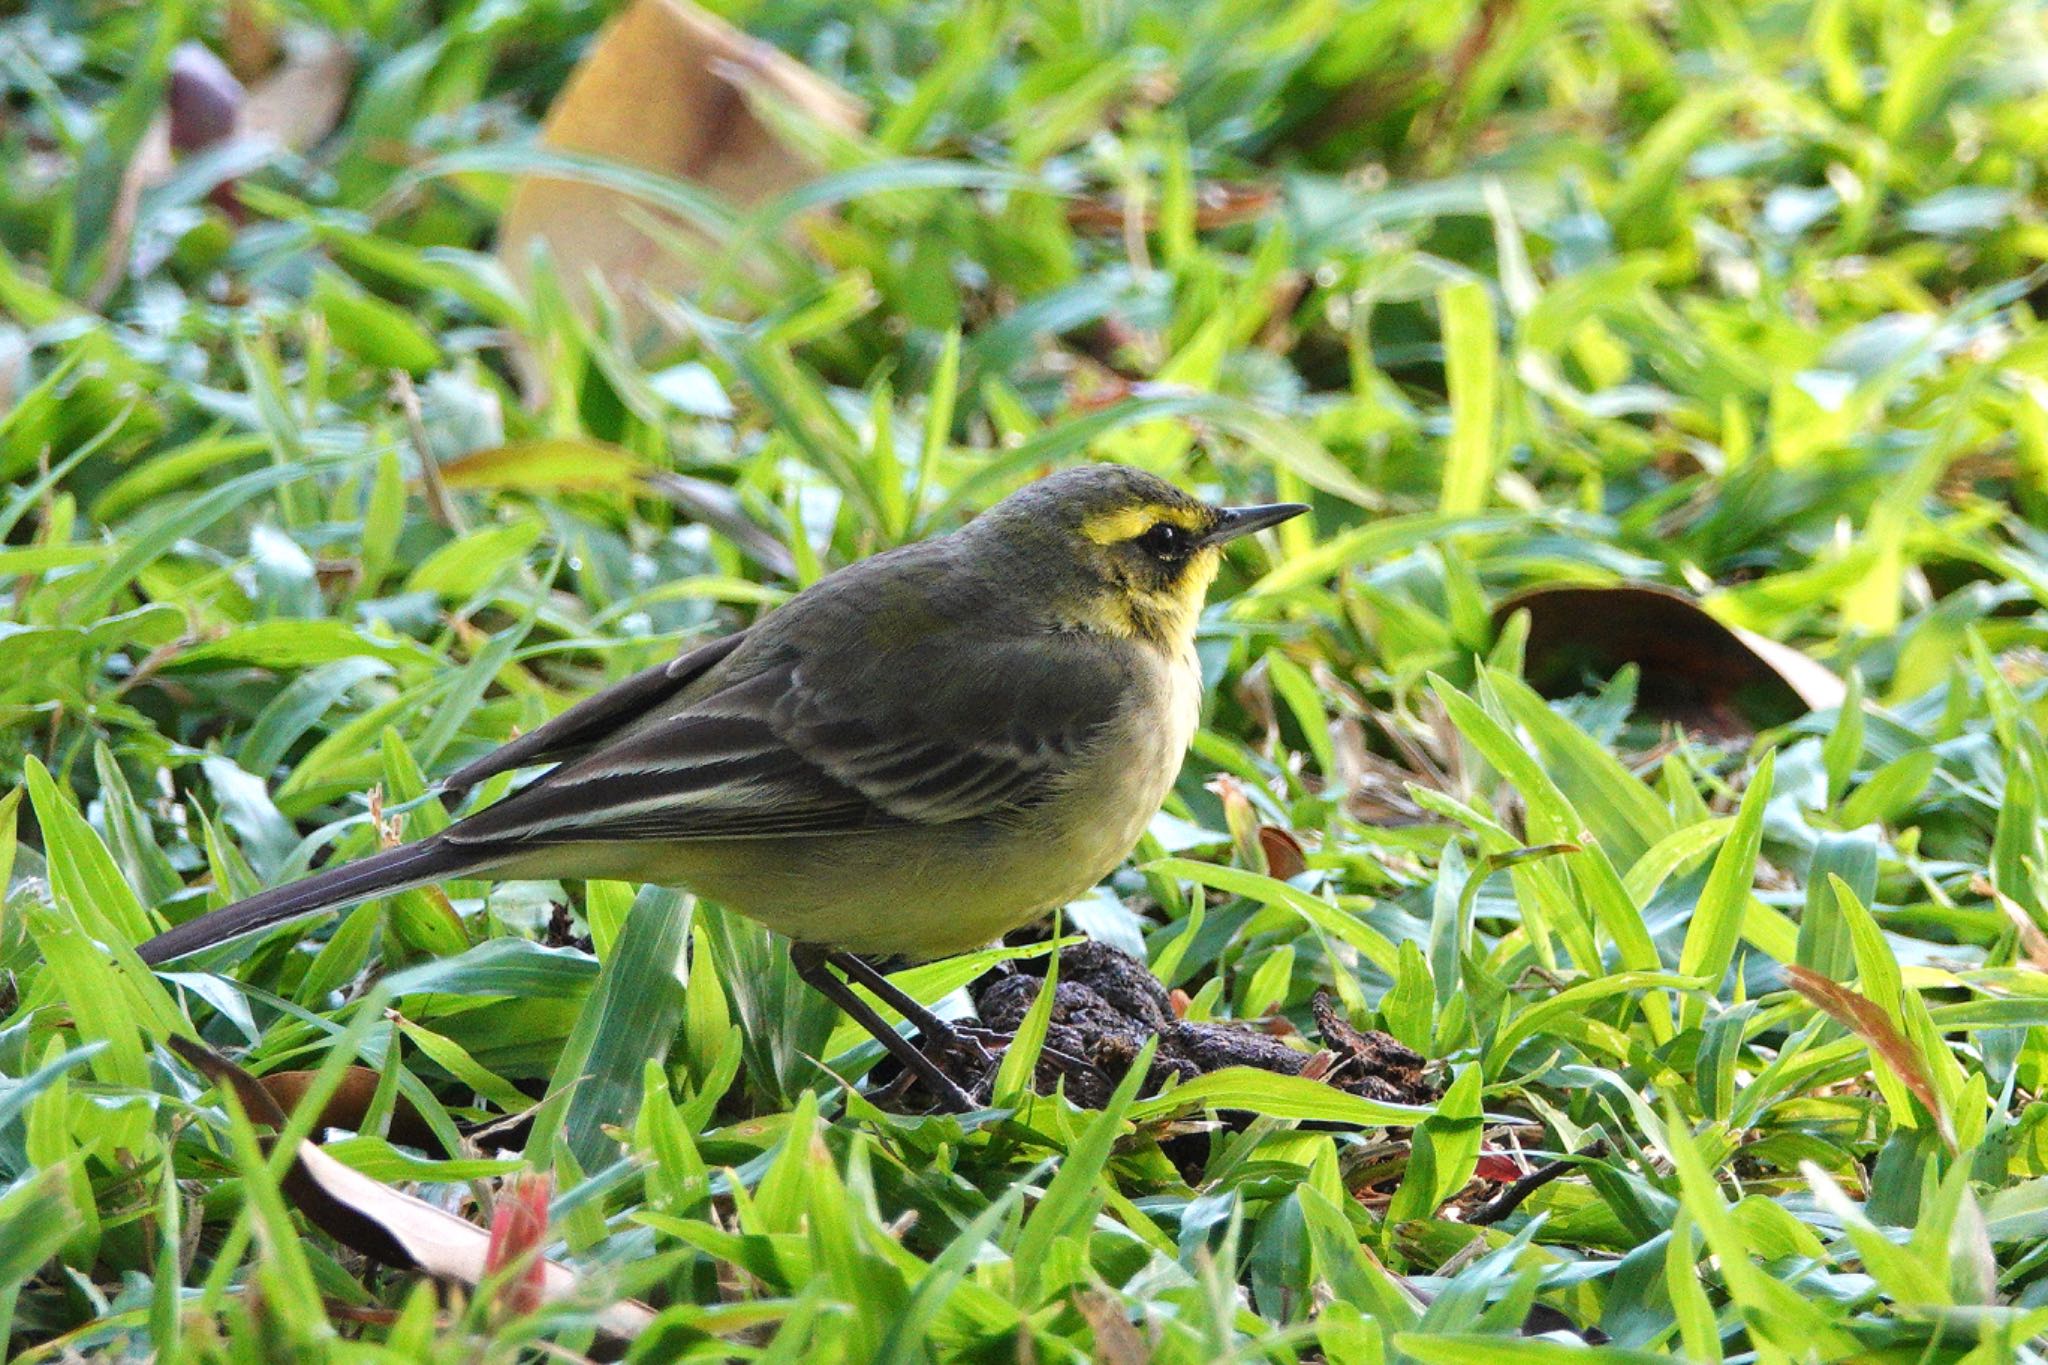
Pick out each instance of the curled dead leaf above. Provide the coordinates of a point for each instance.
(1375, 789)
(1255, 694)
(249, 33)
(388, 1225)
(350, 1104)
(2033, 943)
(1285, 857)
(151, 165)
(438, 1243)
(206, 104)
(1695, 670)
(303, 98)
(1117, 1342)
(203, 101)
(667, 87)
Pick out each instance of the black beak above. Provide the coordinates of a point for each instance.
(1232, 522)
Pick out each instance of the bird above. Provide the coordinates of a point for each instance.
(921, 751)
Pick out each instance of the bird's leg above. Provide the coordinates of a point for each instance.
(935, 1031)
(810, 963)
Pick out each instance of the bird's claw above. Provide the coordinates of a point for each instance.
(966, 1042)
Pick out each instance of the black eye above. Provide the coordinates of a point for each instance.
(1167, 541)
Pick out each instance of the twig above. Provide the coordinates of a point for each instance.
(1511, 1198)
(438, 502)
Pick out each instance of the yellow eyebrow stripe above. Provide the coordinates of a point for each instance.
(1127, 523)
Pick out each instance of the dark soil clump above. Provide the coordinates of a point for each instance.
(1107, 1006)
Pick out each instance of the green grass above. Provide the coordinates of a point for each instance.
(1734, 297)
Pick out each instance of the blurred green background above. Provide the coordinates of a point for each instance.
(307, 498)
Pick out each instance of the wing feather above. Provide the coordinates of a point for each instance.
(586, 725)
(779, 754)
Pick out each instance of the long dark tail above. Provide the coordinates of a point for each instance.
(380, 875)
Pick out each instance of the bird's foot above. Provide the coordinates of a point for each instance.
(967, 1043)
(810, 963)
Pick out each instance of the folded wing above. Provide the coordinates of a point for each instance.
(784, 752)
(597, 718)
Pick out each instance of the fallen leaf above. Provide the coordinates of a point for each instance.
(1695, 670)
(2033, 942)
(667, 87)
(203, 101)
(350, 1103)
(1863, 1017)
(1117, 1342)
(1255, 694)
(388, 1225)
(151, 165)
(1285, 858)
(205, 105)
(302, 100)
(1375, 789)
(435, 1241)
(202, 106)
(1819, 686)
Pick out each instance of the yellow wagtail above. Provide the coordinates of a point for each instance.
(914, 755)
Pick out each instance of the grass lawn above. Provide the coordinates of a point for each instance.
(1719, 913)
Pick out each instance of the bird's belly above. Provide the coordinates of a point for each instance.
(916, 892)
(931, 891)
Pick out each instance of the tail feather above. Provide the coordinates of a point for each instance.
(380, 875)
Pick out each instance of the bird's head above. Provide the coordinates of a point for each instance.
(1117, 550)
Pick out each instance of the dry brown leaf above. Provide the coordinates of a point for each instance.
(1695, 670)
(349, 1104)
(437, 1242)
(202, 102)
(1863, 1017)
(203, 99)
(302, 100)
(151, 165)
(1255, 695)
(388, 1225)
(1817, 685)
(1116, 1341)
(205, 105)
(2033, 942)
(1285, 857)
(668, 87)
